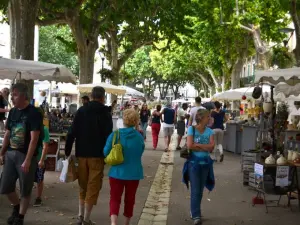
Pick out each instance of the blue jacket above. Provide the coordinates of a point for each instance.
(133, 147)
(210, 183)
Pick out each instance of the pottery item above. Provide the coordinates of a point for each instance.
(295, 155)
(267, 106)
(281, 160)
(270, 160)
(290, 155)
(297, 161)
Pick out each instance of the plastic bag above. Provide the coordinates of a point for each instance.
(69, 171)
(59, 165)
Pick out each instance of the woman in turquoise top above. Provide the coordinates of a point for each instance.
(128, 174)
(200, 141)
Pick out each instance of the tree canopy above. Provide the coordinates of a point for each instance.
(53, 47)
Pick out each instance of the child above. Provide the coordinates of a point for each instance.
(40, 171)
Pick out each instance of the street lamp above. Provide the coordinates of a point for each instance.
(102, 56)
(287, 30)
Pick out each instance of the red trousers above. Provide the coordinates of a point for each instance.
(155, 133)
(116, 191)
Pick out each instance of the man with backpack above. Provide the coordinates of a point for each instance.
(23, 137)
(91, 127)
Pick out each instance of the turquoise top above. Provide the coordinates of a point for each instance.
(133, 147)
(45, 140)
(199, 138)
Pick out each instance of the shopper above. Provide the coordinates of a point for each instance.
(194, 110)
(40, 171)
(219, 118)
(91, 127)
(126, 176)
(181, 116)
(155, 126)
(85, 100)
(168, 119)
(144, 118)
(22, 139)
(3, 107)
(200, 141)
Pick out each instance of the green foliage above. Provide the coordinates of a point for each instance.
(283, 58)
(53, 50)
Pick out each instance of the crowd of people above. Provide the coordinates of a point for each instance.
(26, 140)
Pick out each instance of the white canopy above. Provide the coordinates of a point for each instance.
(179, 101)
(289, 76)
(70, 89)
(237, 94)
(32, 70)
(109, 88)
(132, 92)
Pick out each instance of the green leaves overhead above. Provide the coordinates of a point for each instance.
(57, 46)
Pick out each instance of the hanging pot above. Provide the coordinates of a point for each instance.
(297, 104)
(257, 91)
(267, 106)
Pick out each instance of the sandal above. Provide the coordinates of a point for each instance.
(166, 150)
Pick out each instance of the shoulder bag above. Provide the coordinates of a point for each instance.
(185, 152)
(115, 157)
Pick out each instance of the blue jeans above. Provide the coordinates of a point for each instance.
(144, 128)
(198, 174)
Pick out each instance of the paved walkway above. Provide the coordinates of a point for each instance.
(162, 199)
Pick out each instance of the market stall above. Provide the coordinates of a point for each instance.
(132, 92)
(274, 169)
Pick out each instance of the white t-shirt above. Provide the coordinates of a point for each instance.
(194, 112)
(180, 113)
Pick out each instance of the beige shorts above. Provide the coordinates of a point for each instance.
(90, 175)
(168, 131)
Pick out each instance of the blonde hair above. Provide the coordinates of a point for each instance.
(201, 113)
(130, 118)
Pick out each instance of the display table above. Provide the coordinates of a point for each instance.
(115, 120)
(234, 137)
(276, 180)
(55, 156)
(249, 138)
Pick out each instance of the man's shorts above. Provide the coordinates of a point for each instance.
(168, 131)
(39, 175)
(12, 171)
(181, 128)
(90, 175)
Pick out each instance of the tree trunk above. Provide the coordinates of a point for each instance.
(296, 21)
(223, 81)
(236, 72)
(214, 78)
(86, 55)
(22, 15)
(87, 45)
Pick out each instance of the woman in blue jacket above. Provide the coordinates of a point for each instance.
(128, 174)
(200, 141)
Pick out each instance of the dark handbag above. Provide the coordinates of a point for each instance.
(185, 152)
